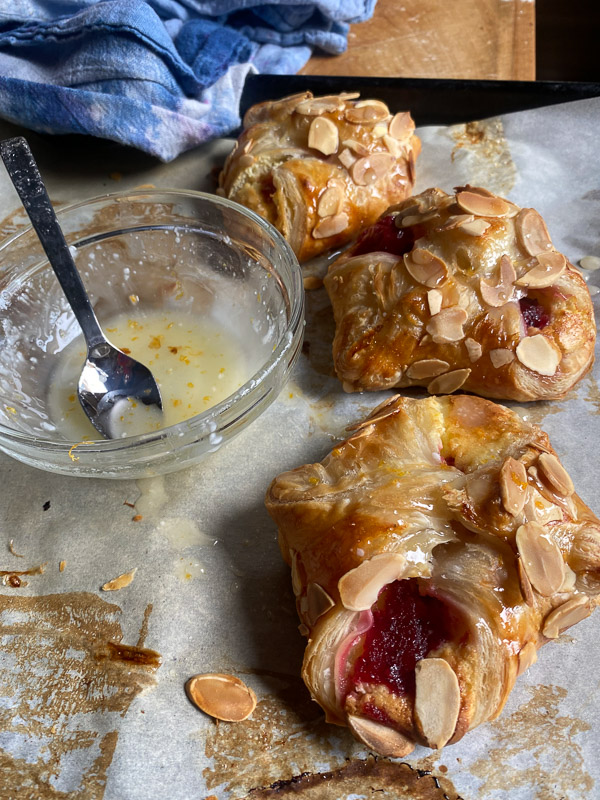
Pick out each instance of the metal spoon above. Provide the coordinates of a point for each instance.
(108, 375)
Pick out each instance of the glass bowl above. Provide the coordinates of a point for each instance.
(178, 252)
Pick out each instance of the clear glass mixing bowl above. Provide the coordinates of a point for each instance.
(169, 250)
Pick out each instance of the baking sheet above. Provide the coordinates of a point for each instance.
(78, 719)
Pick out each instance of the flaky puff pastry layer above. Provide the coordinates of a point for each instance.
(320, 169)
(473, 296)
(461, 499)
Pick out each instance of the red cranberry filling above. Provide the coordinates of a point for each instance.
(384, 236)
(534, 314)
(406, 627)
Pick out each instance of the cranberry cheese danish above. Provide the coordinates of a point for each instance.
(321, 168)
(433, 552)
(460, 291)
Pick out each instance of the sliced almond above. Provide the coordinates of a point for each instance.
(566, 615)
(513, 486)
(568, 585)
(502, 291)
(360, 586)
(447, 326)
(371, 101)
(527, 657)
(589, 262)
(120, 582)
(482, 205)
(427, 368)
(525, 584)
(476, 228)
(456, 220)
(425, 267)
(474, 349)
(347, 158)
(501, 356)
(312, 282)
(410, 220)
(330, 202)
(368, 170)
(323, 136)
(553, 472)
(548, 270)
(366, 113)
(357, 147)
(532, 232)
(223, 697)
(448, 383)
(393, 145)
(330, 226)
(542, 559)
(538, 509)
(437, 700)
(434, 301)
(315, 106)
(380, 738)
(402, 125)
(319, 602)
(537, 354)
(379, 130)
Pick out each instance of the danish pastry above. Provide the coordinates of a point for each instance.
(432, 552)
(320, 169)
(460, 291)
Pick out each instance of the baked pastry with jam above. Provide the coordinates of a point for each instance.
(321, 169)
(433, 553)
(461, 291)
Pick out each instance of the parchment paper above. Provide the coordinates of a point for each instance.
(211, 592)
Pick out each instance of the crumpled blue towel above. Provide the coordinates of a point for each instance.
(161, 75)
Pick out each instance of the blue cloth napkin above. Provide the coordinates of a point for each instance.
(161, 75)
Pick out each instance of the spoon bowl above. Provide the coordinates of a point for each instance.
(108, 375)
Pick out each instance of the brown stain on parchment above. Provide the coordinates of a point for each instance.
(555, 768)
(364, 778)
(285, 740)
(63, 659)
(592, 393)
(491, 164)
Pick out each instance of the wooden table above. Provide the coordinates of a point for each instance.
(478, 39)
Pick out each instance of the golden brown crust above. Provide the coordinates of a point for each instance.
(321, 169)
(431, 492)
(452, 313)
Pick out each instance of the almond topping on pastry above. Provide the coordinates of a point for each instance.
(527, 657)
(330, 202)
(513, 486)
(542, 559)
(566, 615)
(482, 205)
(380, 738)
(357, 147)
(427, 368)
(319, 602)
(501, 356)
(548, 270)
(434, 301)
(448, 383)
(437, 700)
(371, 169)
(330, 226)
(315, 106)
(499, 294)
(553, 472)
(402, 125)
(476, 228)
(456, 220)
(347, 158)
(447, 326)
(366, 114)
(223, 697)
(525, 584)
(536, 353)
(532, 232)
(360, 586)
(323, 136)
(425, 267)
(474, 349)
(393, 145)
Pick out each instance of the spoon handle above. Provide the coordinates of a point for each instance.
(24, 173)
